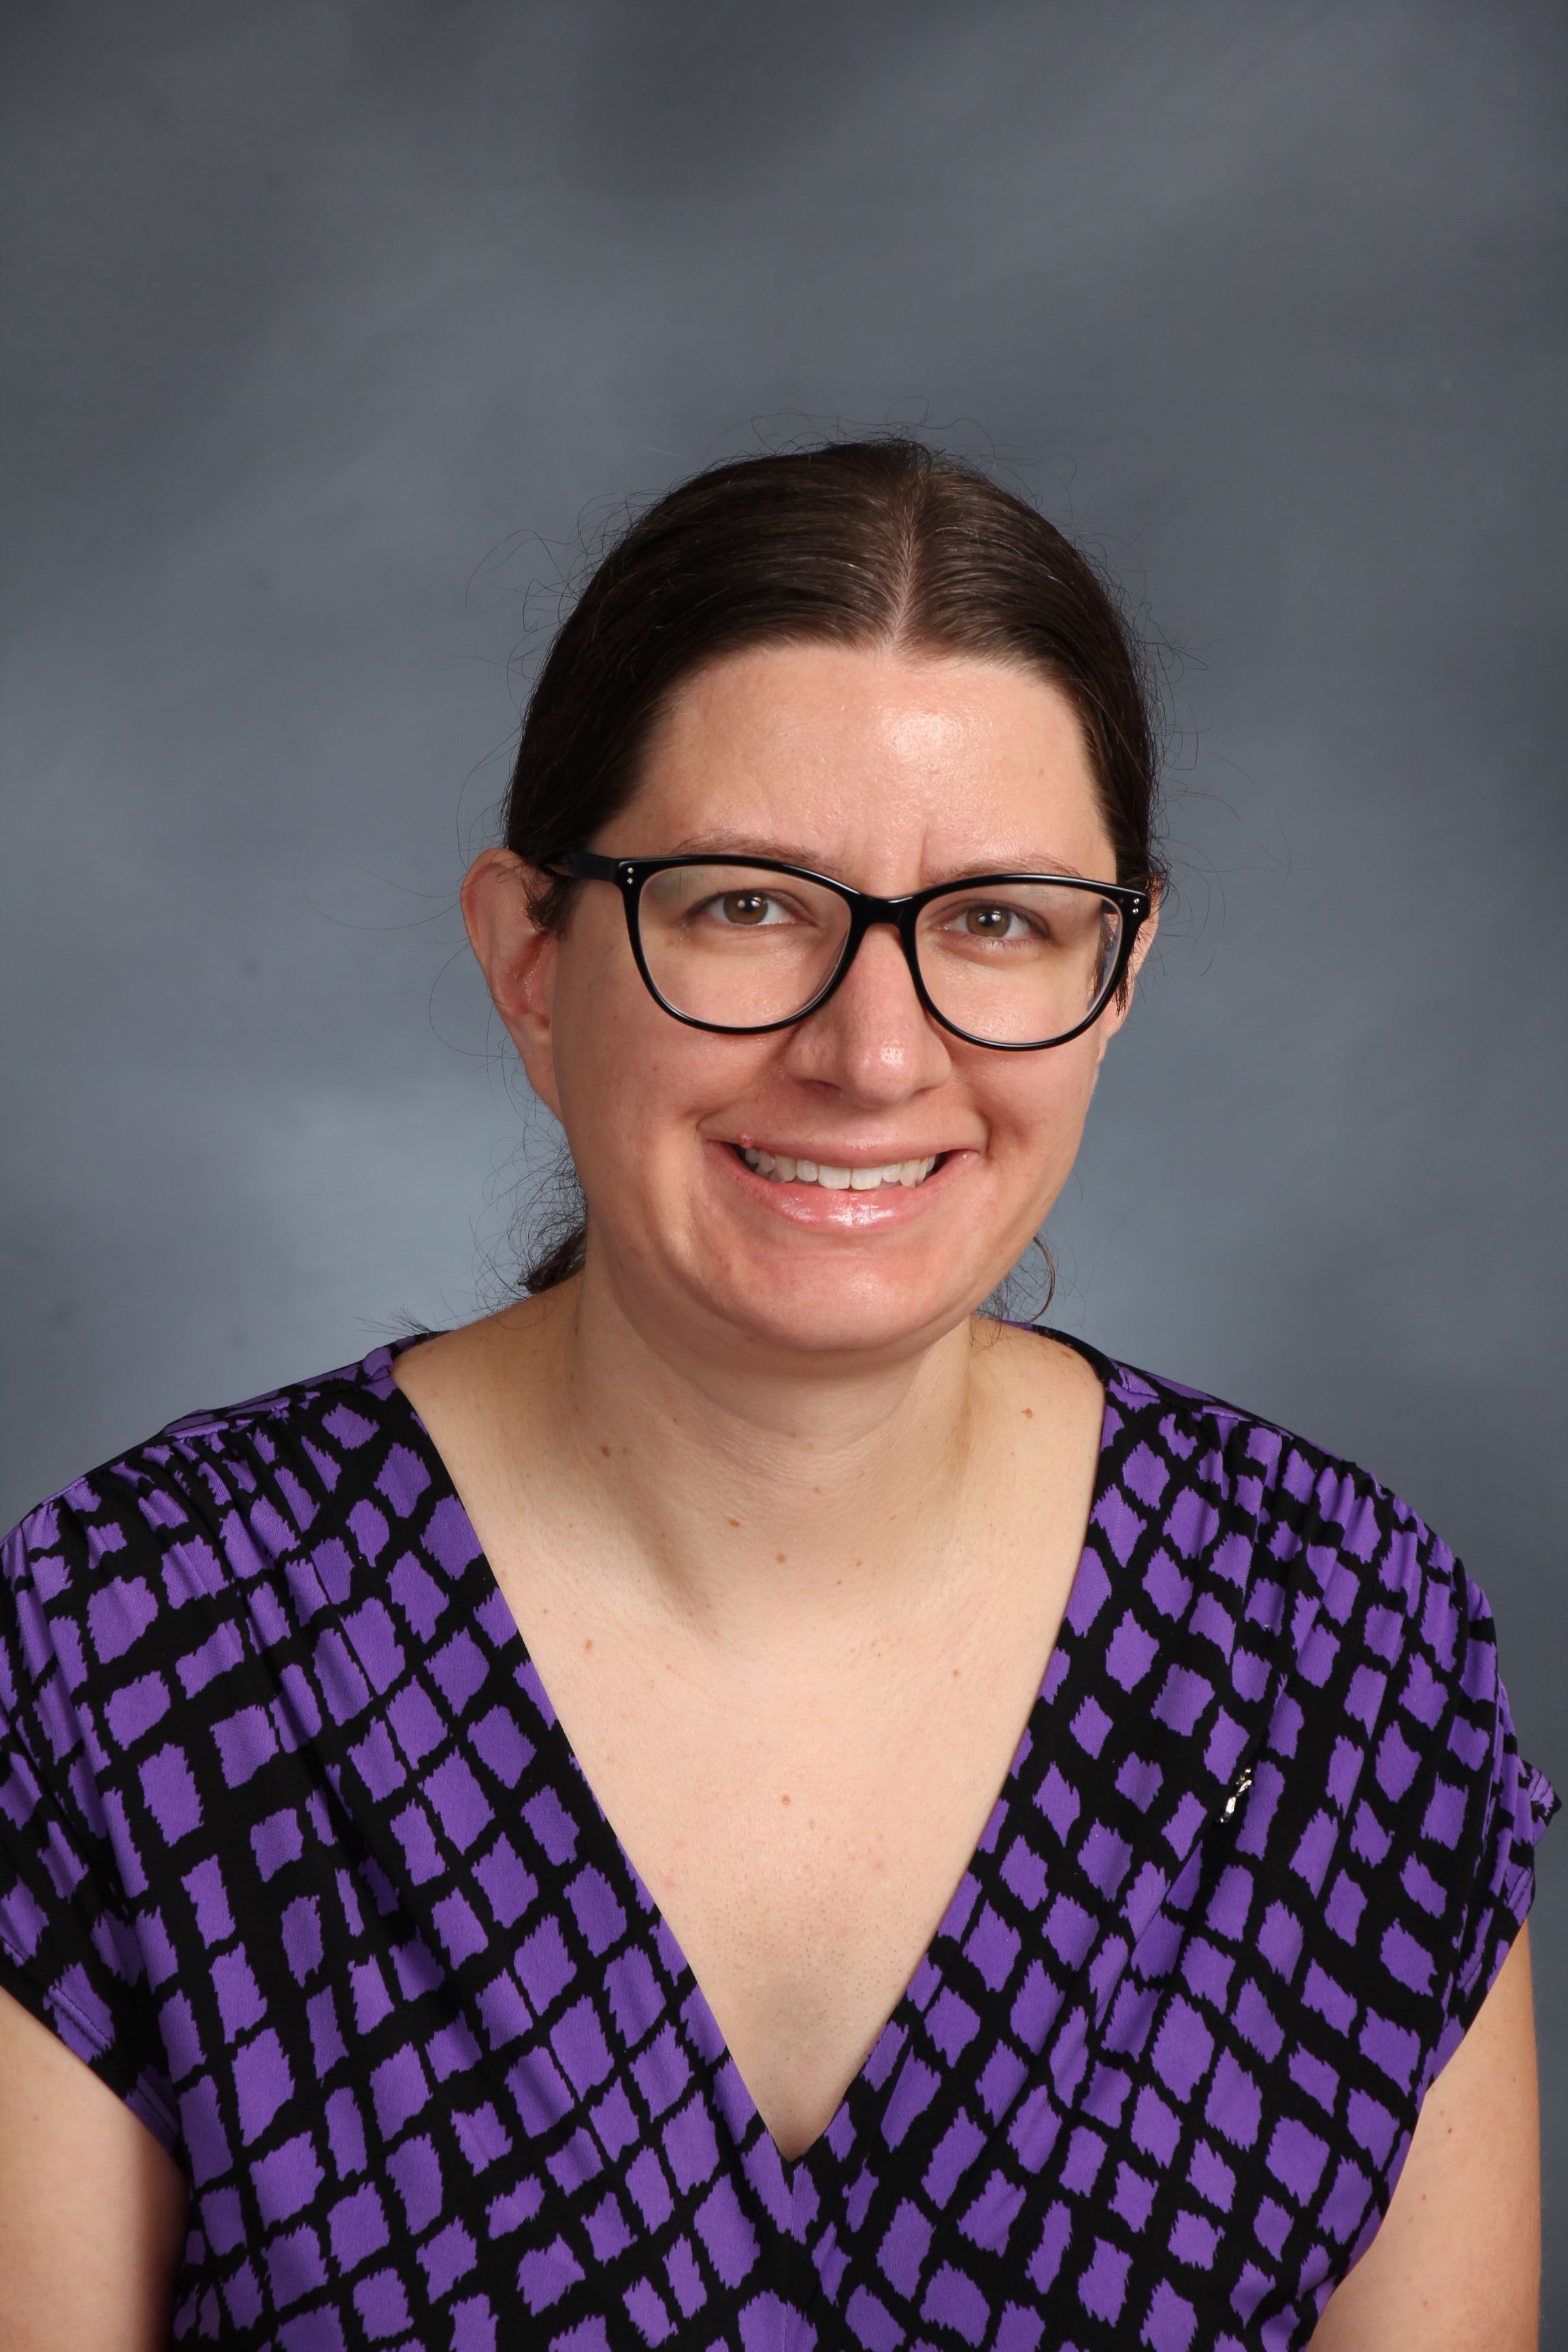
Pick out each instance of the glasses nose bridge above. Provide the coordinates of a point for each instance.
(869, 913)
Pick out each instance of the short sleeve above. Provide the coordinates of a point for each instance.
(73, 1579)
(1516, 1802)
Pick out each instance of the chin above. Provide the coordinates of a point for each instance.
(828, 1311)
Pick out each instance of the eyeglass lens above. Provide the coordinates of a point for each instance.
(1015, 964)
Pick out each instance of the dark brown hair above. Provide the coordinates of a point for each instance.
(879, 544)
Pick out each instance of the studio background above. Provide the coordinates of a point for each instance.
(331, 329)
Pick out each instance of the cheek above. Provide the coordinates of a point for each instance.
(609, 1060)
(633, 1083)
(595, 1023)
(597, 999)
(1041, 1112)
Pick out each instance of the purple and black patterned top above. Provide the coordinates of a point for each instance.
(294, 1853)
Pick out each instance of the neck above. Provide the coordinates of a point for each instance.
(744, 1487)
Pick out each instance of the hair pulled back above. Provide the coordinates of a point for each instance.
(883, 543)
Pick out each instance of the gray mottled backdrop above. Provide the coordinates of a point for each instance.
(331, 324)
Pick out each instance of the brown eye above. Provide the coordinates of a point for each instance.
(743, 905)
(987, 923)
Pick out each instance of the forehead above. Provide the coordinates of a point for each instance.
(841, 756)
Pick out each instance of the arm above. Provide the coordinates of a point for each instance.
(1457, 2263)
(92, 2210)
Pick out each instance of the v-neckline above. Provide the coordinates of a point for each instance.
(1047, 1704)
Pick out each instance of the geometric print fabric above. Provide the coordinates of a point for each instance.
(294, 1853)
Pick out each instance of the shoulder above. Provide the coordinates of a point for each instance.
(158, 1618)
(193, 1514)
(1302, 1538)
(1301, 1597)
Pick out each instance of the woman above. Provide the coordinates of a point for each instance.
(738, 1802)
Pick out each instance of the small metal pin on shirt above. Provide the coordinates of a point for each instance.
(1238, 1788)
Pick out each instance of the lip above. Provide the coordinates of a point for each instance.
(811, 1207)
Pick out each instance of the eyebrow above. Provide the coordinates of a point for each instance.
(790, 853)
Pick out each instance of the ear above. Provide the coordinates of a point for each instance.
(1116, 1012)
(517, 958)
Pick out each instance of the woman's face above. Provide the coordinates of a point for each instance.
(889, 772)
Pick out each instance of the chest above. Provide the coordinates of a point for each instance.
(798, 1751)
(803, 1815)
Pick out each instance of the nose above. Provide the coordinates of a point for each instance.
(873, 1040)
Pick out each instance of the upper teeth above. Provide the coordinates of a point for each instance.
(784, 1171)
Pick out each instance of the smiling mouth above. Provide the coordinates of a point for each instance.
(780, 1168)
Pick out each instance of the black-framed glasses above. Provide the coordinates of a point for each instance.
(743, 945)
